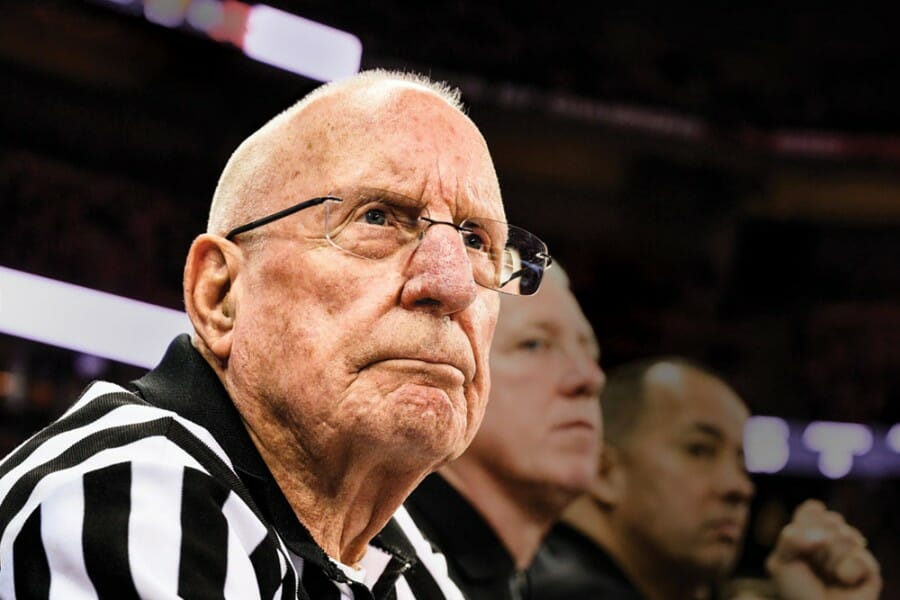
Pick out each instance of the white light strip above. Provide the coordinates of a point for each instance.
(264, 33)
(299, 45)
(766, 447)
(85, 320)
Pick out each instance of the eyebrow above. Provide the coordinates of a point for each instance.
(361, 193)
(713, 431)
(707, 429)
(587, 341)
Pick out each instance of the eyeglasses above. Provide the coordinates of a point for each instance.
(375, 224)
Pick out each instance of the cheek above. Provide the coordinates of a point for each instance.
(485, 317)
(519, 389)
(292, 309)
(503, 411)
(503, 441)
(532, 395)
(682, 490)
(479, 324)
(657, 481)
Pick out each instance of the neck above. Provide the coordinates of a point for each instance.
(654, 577)
(516, 515)
(343, 493)
(343, 500)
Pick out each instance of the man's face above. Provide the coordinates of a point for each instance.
(542, 426)
(686, 490)
(351, 356)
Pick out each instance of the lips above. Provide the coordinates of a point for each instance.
(429, 362)
(416, 339)
(577, 424)
(436, 372)
(574, 414)
(730, 530)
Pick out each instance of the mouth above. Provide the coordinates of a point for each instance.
(577, 425)
(726, 530)
(424, 370)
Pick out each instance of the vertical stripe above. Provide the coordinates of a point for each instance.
(264, 559)
(384, 587)
(204, 542)
(154, 528)
(422, 582)
(428, 577)
(291, 588)
(30, 569)
(244, 535)
(61, 526)
(107, 507)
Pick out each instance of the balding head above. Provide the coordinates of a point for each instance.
(625, 398)
(309, 133)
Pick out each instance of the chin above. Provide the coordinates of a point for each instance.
(718, 564)
(421, 438)
(579, 475)
(568, 484)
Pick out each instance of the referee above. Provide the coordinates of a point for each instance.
(343, 301)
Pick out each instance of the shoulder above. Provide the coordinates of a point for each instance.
(108, 435)
(118, 492)
(567, 542)
(572, 566)
(109, 423)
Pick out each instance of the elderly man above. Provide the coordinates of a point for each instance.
(343, 301)
(536, 450)
(666, 516)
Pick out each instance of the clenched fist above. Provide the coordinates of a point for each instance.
(818, 556)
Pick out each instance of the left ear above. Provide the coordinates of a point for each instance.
(608, 486)
(210, 271)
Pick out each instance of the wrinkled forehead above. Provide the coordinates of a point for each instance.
(399, 138)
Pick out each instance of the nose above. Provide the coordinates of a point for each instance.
(439, 274)
(584, 376)
(737, 486)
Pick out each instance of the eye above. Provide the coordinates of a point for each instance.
(376, 216)
(380, 212)
(701, 450)
(475, 238)
(533, 344)
(474, 241)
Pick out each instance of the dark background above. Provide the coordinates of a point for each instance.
(719, 182)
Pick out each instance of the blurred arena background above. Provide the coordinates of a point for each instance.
(719, 183)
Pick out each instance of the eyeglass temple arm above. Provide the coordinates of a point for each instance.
(279, 215)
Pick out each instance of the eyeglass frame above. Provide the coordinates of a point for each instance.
(285, 212)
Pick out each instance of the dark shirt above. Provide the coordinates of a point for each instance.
(476, 558)
(571, 566)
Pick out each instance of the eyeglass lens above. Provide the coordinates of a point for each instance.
(377, 225)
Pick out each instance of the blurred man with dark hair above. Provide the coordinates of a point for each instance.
(666, 516)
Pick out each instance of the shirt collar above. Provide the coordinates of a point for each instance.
(185, 383)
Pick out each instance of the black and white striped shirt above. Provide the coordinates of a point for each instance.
(132, 494)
